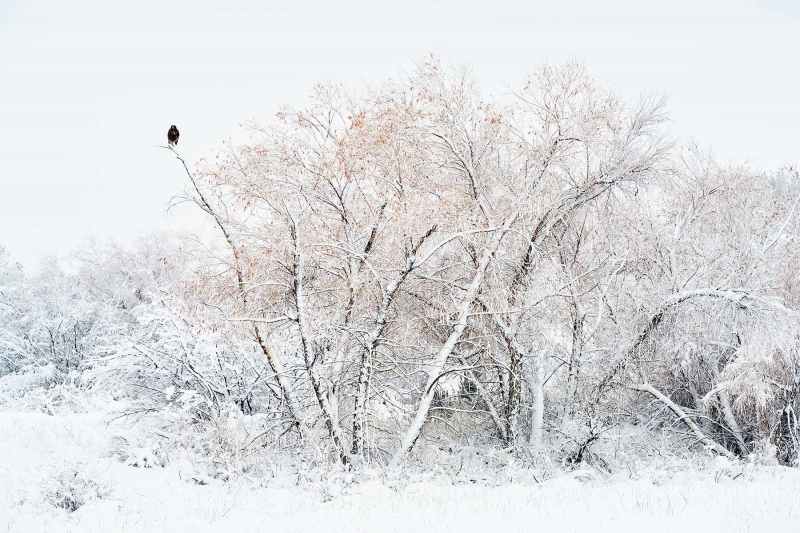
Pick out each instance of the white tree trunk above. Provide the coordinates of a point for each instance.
(276, 364)
(273, 358)
(463, 308)
(725, 403)
(381, 316)
(331, 420)
(536, 383)
(483, 394)
(684, 417)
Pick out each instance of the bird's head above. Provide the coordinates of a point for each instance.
(173, 127)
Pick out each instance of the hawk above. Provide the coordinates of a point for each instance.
(172, 135)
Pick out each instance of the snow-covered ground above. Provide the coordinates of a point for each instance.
(42, 457)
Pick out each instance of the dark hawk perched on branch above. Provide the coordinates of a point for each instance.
(172, 135)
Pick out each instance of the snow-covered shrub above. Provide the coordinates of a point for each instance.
(43, 398)
(49, 325)
(71, 488)
(175, 350)
(143, 458)
(27, 379)
(231, 443)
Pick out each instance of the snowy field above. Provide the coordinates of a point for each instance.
(40, 455)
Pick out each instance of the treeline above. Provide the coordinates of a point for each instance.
(412, 261)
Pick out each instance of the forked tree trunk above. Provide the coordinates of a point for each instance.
(412, 433)
(381, 316)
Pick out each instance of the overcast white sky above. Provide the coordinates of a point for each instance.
(88, 88)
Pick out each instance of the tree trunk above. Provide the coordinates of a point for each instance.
(727, 412)
(322, 400)
(514, 394)
(381, 316)
(412, 434)
(684, 417)
(483, 394)
(276, 364)
(786, 436)
(274, 360)
(536, 383)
